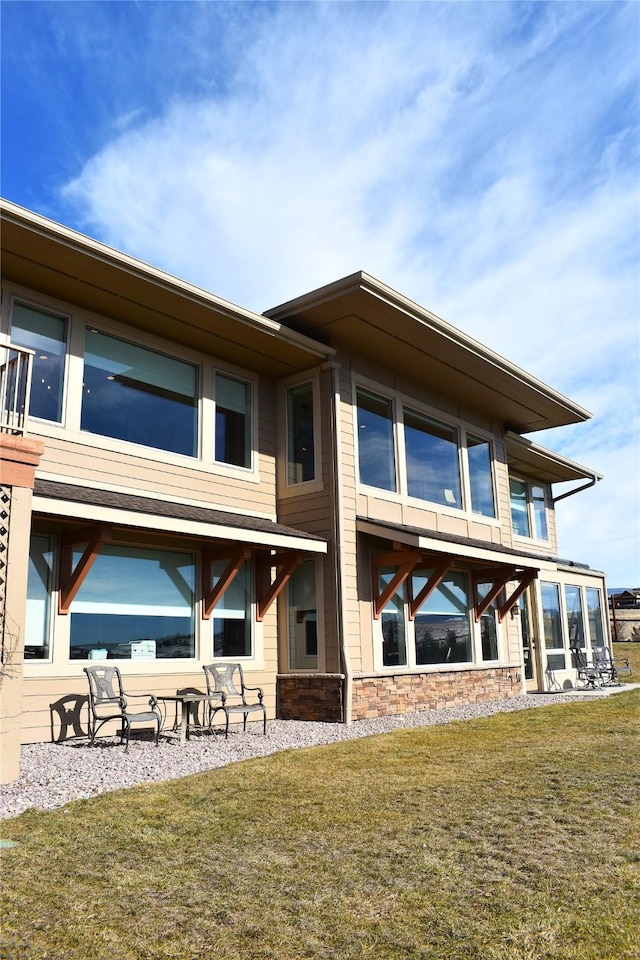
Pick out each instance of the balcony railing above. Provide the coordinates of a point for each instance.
(15, 387)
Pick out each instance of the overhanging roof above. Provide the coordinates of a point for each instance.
(363, 316)
(43, 255)
(71, 502)
(537, 462)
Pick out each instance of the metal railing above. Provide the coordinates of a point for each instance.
(15, 387)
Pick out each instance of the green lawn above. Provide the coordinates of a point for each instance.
(631, 652)
(511, 838)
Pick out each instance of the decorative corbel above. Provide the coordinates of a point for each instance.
(72, 579)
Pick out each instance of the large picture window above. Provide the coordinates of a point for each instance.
(46, 334)
(300, 439)
(134, 604)
(232, 615)
(442, 626)
(39, 585)
(136, 394)
(376, 455)
(433, 469)
(233, 421)
(303, 618)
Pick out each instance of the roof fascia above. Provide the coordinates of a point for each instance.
(547, 458)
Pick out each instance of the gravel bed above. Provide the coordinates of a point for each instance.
(53, 774)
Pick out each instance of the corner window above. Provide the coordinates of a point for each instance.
(433, 469)
(442, 625)
(480, 476)
(231, 617)
(303, 618)
(39, 586)
(136, 394)
(233, 421)
(134, 604)
(594, 613)
(376, 457)
(46, 334)
(528, 509)
(552, 625)
(300, 440)
(575, 619)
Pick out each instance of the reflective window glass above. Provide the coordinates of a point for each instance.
(132, 393)
(233, 421)
(442, 625)
(303, 619)
(376, 457)
(539, 512)
(300, 445)
(575, 620)
(594, 611)
(480, 477)
(46, 334)
(39, 585)
(134, 604)
(394, 640)
(519, 510)
(552, 625)
(232, 615)
(488, 625)
(433, 469)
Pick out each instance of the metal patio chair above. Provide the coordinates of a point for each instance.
(226, 681)
(615, 666)
(108, 701)
(588, 672)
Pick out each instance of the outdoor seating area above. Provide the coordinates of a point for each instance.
(226, 691)
(602, 671)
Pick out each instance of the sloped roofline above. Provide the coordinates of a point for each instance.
(304, 311)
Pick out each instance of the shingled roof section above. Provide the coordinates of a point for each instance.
(163, 508)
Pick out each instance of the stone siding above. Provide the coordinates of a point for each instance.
(382, 695)
(310, 697)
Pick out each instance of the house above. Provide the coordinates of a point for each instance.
(336, 493)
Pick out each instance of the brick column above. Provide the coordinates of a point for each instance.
(19, 457)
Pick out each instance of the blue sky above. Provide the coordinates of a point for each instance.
(482, 158)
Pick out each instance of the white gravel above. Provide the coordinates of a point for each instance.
(53, 774)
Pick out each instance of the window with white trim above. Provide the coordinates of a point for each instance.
(134, 604)
(38, 612)
(302, 620)
(301, 466)
(233, 421)
(528, 509)
(46, 334)
(552, 625)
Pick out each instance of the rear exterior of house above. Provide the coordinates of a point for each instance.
(336, 494)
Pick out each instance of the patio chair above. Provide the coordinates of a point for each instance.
(588, 672)
(226, 681)
(107, 701)
(615, 666)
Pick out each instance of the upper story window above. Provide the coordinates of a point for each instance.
(376, 454)
(233, 421)
(46, 334)
(433, 467)
(480, 476)
(528, 509)
(136, 394)
(300, 438)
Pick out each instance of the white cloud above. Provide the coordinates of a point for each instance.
(483, 159)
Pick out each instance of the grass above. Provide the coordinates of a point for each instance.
(510, 838)
(631, 651)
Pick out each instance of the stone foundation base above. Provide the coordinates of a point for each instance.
(383, 695)
(310, 697)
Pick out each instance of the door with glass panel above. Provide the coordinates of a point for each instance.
(530, 643)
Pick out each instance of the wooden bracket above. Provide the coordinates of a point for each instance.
(72, 579)
(285, 564)
(526, 578)
(212, 595)
(432, 584)
(499, 578)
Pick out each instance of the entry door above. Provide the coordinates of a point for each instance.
(530, 644)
